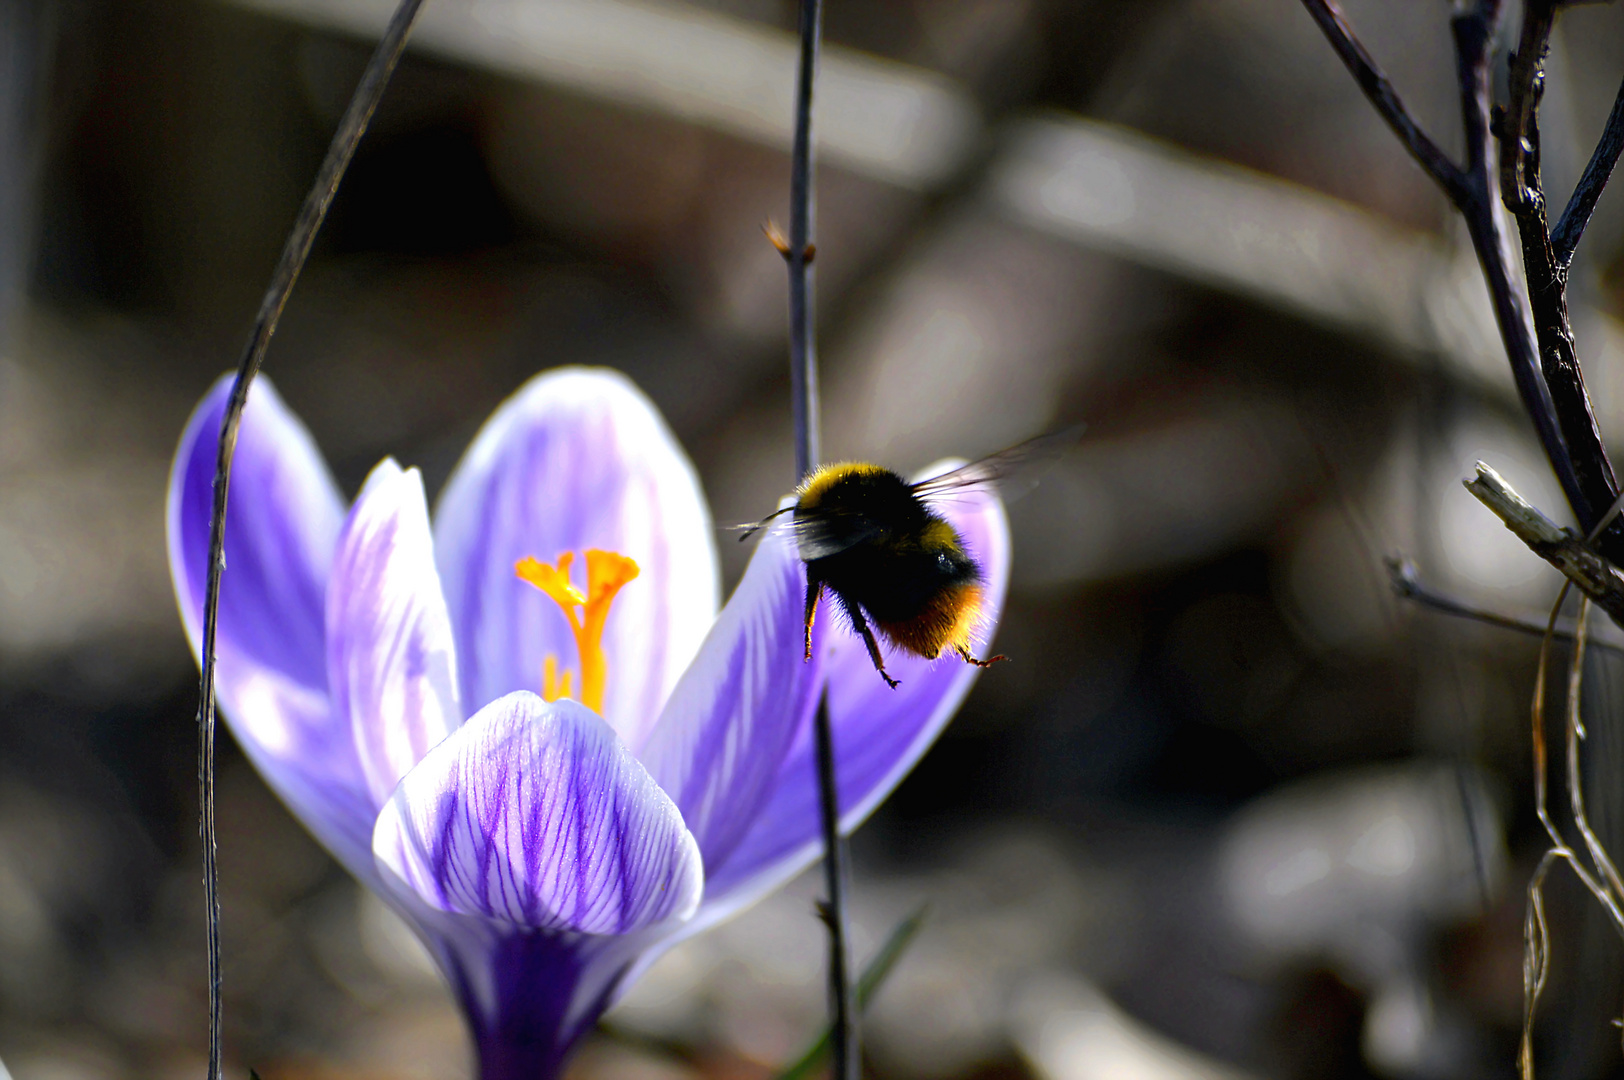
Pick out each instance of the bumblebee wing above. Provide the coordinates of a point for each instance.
(818, 536)
(1013, 472)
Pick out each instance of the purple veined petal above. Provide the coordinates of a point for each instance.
(879, 733)
(577, 459)
(722, 738)
(281, 527)
(528, 995)
(549, 990)
(391, 664)
(536, 815)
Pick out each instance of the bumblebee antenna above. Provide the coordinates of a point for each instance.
(749, 530)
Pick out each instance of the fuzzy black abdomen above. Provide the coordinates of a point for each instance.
(894, 586)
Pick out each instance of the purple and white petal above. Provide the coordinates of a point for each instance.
(282, 524)
(723, 736)
(528, 995)
(879, 733)
(535, 814)
(391, 662)
(283, 519)
(577, 459)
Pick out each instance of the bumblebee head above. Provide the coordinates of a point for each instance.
(842, 507)
(856, 488)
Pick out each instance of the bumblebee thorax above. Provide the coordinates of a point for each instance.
(857, 488)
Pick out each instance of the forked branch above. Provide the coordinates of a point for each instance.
(1546, 272)
(1379, 89)
(1548, 380)
(1538, 339)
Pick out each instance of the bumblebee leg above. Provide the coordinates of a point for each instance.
(814, 589)
(861, 625)
(968, 659)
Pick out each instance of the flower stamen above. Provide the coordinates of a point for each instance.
(606, 573)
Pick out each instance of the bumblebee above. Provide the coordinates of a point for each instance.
(871, 538)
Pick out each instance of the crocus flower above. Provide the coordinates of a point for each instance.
(551, 775)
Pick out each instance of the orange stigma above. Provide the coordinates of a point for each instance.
(606, 572)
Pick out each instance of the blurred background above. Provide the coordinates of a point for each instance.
(1233, 812)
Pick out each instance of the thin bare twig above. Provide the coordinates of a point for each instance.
(1595, 576)
(798, 254)
(294, 253)
(1379, 89)
(874, 974)
(1536, 932)
(803, 208)
(1407, 585)
(845, 1048)
(1571, 226)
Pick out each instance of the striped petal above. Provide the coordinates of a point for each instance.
(281, 529)
(577, 459)
(721, 742)
(391, 662)
(536, 815)
(879, 733)
(528, 995)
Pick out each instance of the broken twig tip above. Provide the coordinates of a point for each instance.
(775, 237)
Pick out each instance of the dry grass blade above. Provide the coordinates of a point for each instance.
(1536, 961)
(1613, 896)
(294, 253)
(1603, 882)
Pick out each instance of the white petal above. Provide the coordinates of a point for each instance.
(391, 662)
(577, 459)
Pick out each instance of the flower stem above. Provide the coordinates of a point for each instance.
(804, 404)
(294, 253)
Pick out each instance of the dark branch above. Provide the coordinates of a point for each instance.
(294, 253)
(1368, 74)
(1524, 196)
(1473, 32)
(1519, 140)
(1561, 415)
(1565, 237)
